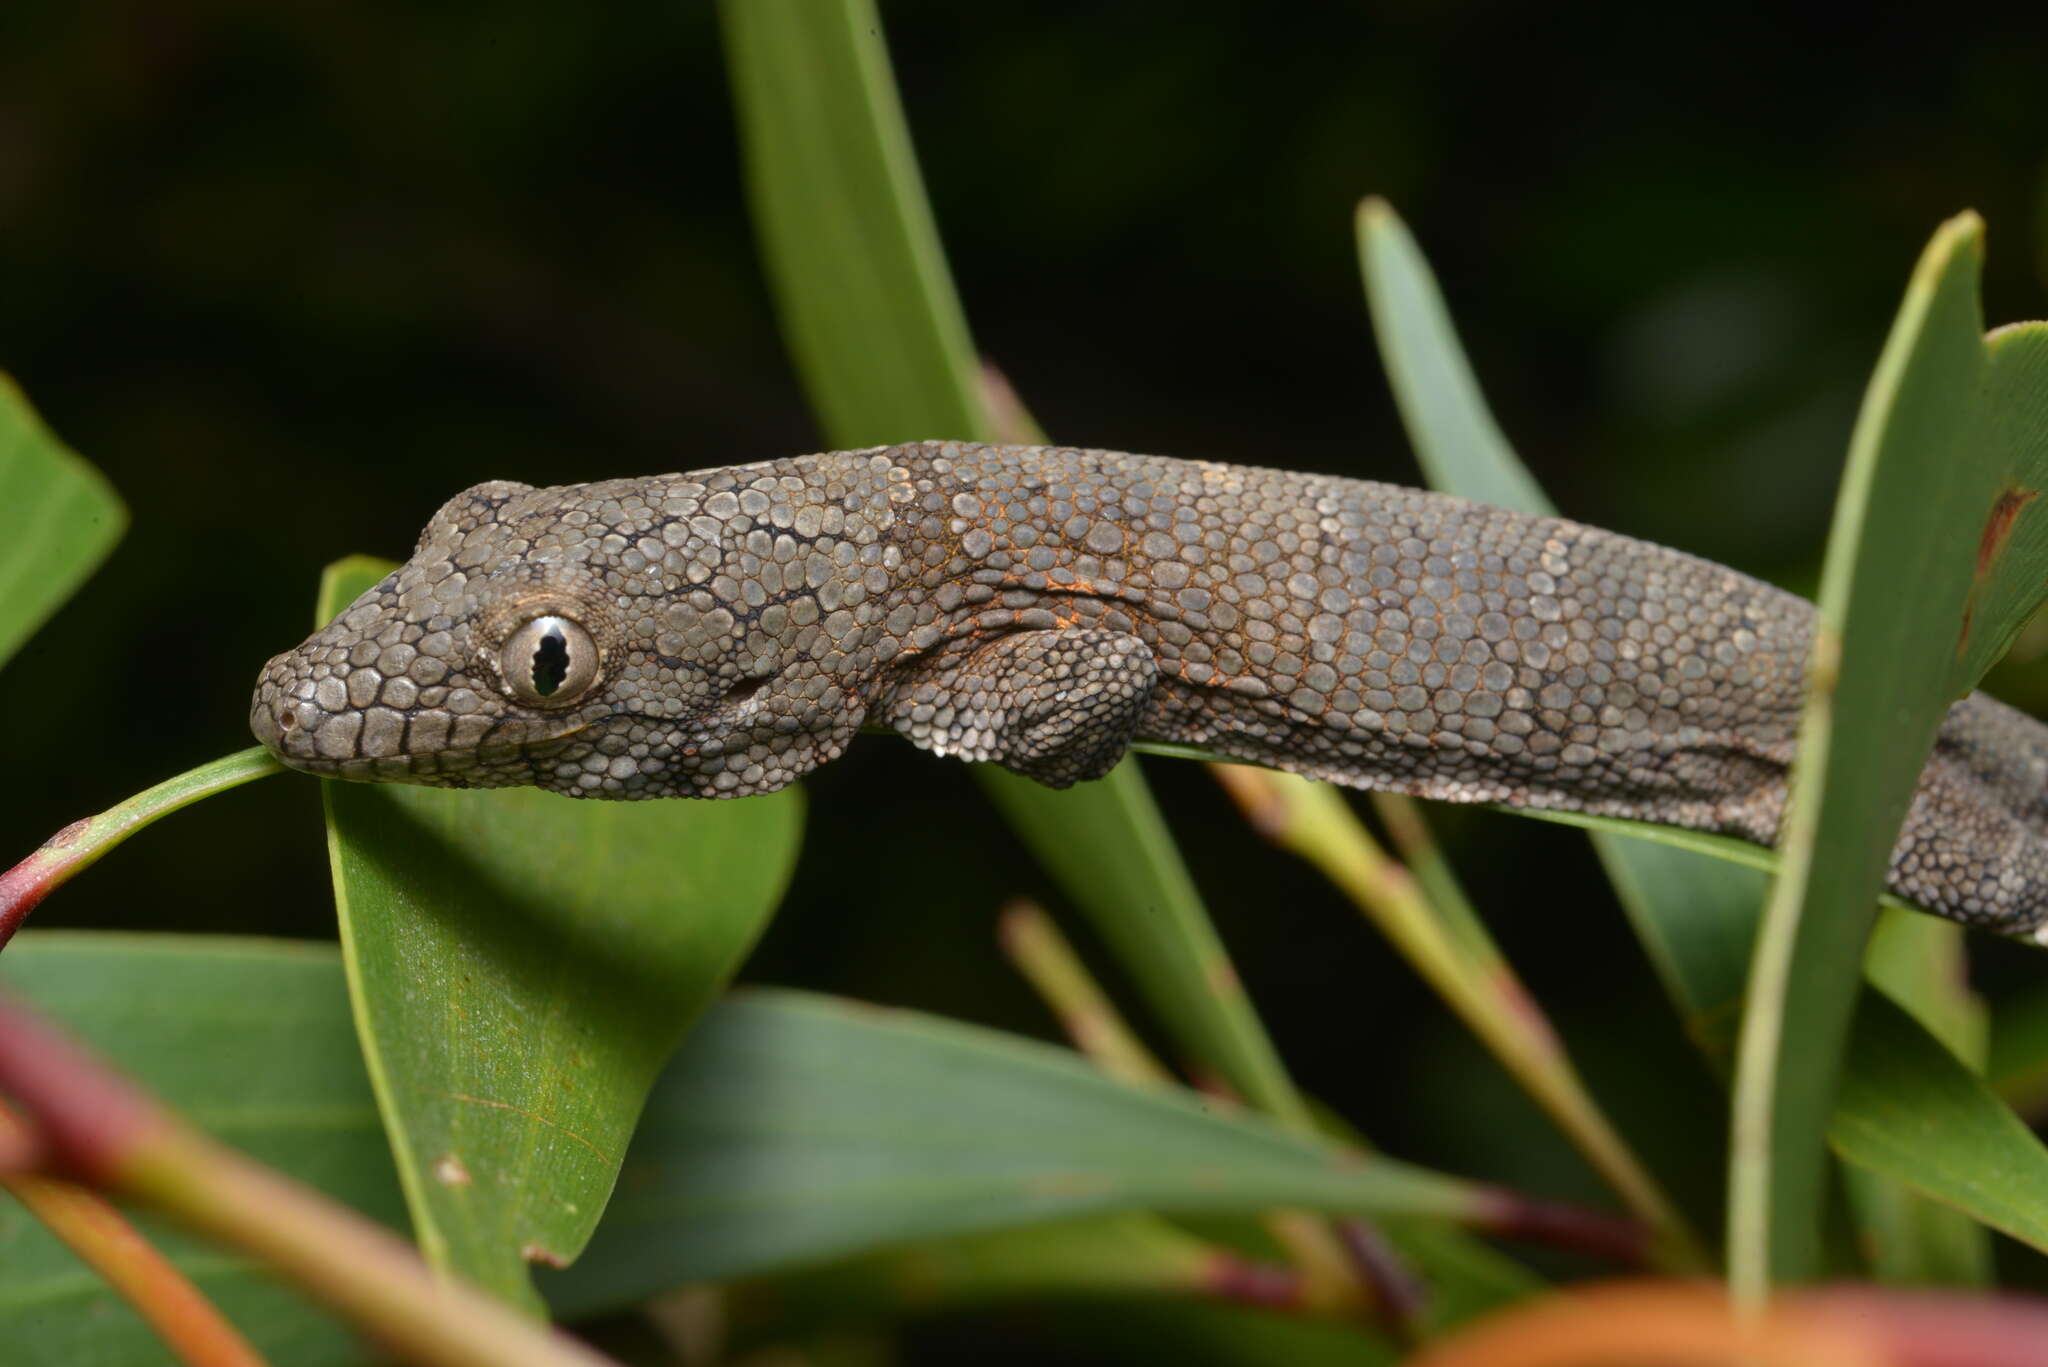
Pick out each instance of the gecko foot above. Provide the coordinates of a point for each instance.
(1056, 706)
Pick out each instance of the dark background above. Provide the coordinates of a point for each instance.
(291, 274)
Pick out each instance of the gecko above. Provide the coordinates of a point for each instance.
(720, 633)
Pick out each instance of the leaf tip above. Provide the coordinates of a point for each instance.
(1375, 212)
(1964, 229)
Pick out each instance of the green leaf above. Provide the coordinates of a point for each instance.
(883, 347)
(1930, 527)
(60, 519)
(253, 1041)
(794, 1128)
(2009, 446)
(2017, 1066)
(1922, 964)
(1126, 1255)
(249, 1040)
(861, 283)
(521, 964)
(1456, 439)
(1696, 921)
(1462, 450)
(1912, 1111)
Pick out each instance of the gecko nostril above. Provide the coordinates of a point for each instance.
(288, 718)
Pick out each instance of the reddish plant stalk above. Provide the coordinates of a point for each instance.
(189, 1324)
(81, 844)
(96, 1125)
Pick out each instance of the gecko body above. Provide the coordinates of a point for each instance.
(719, 633)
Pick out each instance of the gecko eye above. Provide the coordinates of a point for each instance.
(548, 662)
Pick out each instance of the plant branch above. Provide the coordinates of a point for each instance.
(81, 844)
(1324, 1276)
(1508, 1214)
(177, 1311)
(1036, 948)
(1417, 847)
(100, 1127)
(1311, 820)
(1380, 1265)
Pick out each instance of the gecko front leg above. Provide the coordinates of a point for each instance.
(1058, 706)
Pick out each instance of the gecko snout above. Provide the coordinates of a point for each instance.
(265, 722)
(288, 723)
(313, 711)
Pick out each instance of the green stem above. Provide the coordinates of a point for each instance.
(1311, 820)
(1325, 1274)
(1113, 855)
(341, 1259)
(1048, 962)
(81, 844)
(1402, 817)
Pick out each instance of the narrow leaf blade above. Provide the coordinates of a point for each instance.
(794, 1128)
(1922, 964)
(862, 286)
(1899, 567)
(1910, 1110)
(1456, 438)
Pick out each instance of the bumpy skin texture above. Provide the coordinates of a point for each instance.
(1043, 607)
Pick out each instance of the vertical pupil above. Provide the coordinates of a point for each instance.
(550, 662)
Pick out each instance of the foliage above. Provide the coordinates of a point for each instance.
(515, 972)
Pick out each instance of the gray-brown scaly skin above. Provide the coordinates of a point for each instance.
(1043, 607)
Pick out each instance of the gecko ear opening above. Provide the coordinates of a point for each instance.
(743, 689)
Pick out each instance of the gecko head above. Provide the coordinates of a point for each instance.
(596, 640)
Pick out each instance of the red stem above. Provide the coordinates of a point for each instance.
(100, 1126)
(90, 1119)
(1511, 1215)
(28, 882)
(189, 1324)
(1395, 1285)
(1245, 1282)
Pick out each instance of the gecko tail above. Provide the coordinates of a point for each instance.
(1974, 847)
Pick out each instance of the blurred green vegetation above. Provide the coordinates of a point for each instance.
(292, 275)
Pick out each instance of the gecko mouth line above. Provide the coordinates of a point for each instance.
(449, 761)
